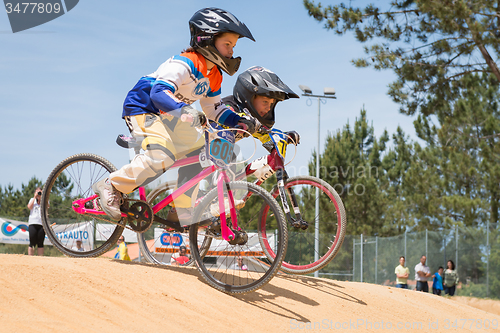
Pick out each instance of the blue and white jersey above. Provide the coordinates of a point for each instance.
(180, 81)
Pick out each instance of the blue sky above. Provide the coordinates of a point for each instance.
(62, 84)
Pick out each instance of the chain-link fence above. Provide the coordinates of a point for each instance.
(474, 251)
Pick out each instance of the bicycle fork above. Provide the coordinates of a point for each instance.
(298, 221)
(235, 236)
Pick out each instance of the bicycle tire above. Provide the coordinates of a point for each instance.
(70, 180)
(332, 221)
(218, 267)
(159, 243)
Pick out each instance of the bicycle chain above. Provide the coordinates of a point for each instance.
(124, 219)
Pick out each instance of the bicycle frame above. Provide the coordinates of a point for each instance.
(222, 182)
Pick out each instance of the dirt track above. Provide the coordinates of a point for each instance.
(100, 295)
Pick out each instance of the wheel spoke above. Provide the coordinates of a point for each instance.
(240, 267)
(300, 258)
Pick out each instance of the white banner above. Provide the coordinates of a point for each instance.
(105, 230)
(69, 233)
(16, 232)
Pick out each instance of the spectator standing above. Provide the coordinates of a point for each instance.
(35, 228)
(437, 282)
(402, 274)
(239, 265)
(450, 278)
(422, 273)
(122, 251)
(79, 246)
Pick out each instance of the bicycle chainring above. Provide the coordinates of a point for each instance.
(139, 215)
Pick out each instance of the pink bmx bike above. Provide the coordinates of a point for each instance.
(235, 224)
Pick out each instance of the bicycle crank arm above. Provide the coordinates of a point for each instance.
(174, 225)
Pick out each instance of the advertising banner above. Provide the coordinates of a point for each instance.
(169, 242)
(16, 232)
(105, 230)
(69, 233)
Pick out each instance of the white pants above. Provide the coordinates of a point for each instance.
(165, 139)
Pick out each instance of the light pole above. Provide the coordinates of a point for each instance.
(327, 93)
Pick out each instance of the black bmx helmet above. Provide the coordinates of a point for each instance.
(205, 25)
(260, 81)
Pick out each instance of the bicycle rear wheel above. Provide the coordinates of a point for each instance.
(239, 268)
(160, 242)
(72, 179)
(300, 256)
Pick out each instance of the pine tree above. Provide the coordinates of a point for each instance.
(462, 155)
(428, 44)
(14, 203)
(352, 164)
(396, 163)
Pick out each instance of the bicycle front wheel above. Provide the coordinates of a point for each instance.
(72, 179)
(311, 249)
(241, 267)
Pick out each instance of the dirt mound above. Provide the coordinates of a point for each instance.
(488, 305)
(46, 294)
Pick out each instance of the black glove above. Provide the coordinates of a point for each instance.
(249, 124)
(199, 118)
(293, 137)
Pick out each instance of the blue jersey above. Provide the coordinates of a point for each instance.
(437, 282)
(180, 81)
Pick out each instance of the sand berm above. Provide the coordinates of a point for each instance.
(48, 294)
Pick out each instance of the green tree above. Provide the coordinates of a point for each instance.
(429, 44)
(396, 163)
(14, 203)
(461, 157)
(352, 164)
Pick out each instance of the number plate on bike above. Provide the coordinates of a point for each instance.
(221, 147)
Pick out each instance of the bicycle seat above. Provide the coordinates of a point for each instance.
(127, 141)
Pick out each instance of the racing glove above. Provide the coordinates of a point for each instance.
(248, 125)
(199, 118)
(293, 137)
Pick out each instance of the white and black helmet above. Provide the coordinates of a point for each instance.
(260, 81)
(208, 22)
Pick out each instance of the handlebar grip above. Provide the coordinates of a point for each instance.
(187, 118)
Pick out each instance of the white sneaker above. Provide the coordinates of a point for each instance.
(110, 198)
(214, 208)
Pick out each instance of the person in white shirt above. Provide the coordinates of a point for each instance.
(35, 228)
(79, 246)
(422, 273)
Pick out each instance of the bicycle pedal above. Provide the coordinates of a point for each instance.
(93, 204)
